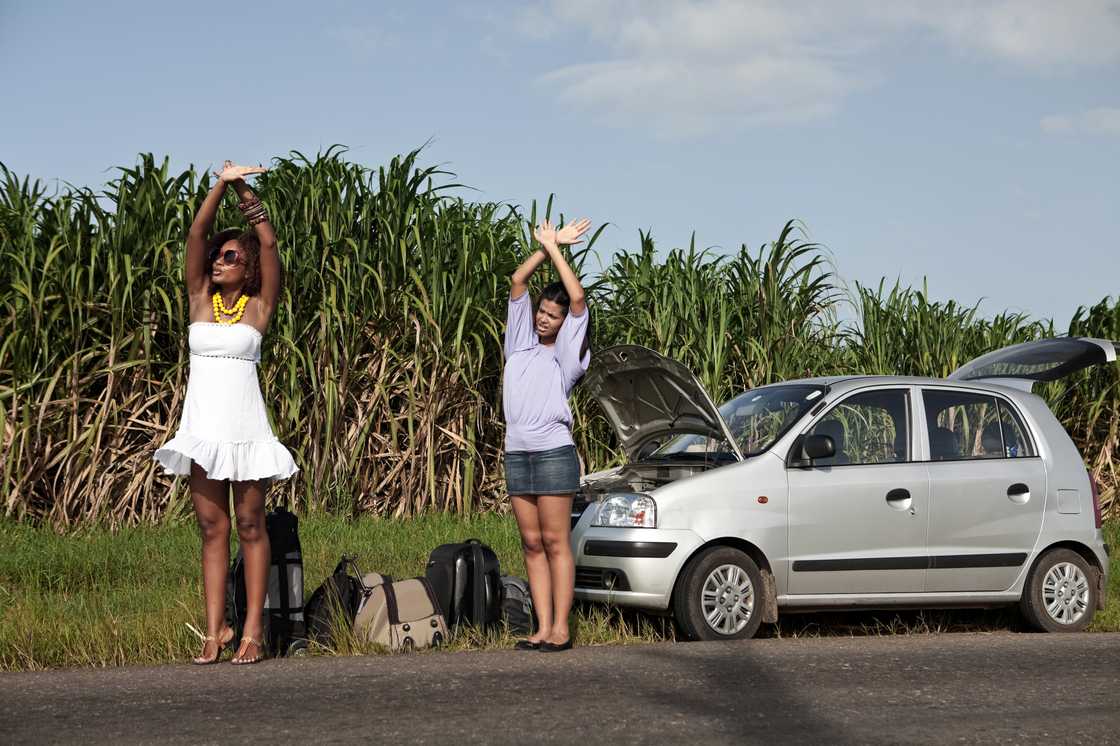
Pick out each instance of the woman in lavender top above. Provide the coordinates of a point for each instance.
(546, 353)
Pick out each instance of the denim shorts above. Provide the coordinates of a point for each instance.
(551, 472)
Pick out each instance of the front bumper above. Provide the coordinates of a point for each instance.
(630, 566)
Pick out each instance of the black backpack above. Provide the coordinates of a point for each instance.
(283, 605)
(335, 602)
(517, 606)
(467, 582)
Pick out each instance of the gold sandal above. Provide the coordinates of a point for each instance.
(239, 660)
(222, 644)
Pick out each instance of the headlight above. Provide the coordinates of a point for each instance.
(627, 511)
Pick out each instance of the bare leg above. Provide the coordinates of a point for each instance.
(555, 515)
(248, 504)
(536, 563)
(211, 507)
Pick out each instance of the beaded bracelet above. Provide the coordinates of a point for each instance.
(253, 211)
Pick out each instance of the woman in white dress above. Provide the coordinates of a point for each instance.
(224, 439)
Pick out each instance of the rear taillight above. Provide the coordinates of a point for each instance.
(1096, 500)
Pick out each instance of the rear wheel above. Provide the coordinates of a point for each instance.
(1061, 592)
(719, 596)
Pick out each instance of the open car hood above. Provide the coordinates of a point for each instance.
(1023, 364)
(648, 397)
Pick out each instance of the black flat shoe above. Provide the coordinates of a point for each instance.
(548, 647)
(527, 645)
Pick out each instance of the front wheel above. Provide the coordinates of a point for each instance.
(1061, 592)
(719, 596)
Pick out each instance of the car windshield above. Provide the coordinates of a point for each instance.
(756, 420)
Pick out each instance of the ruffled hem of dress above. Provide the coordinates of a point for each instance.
(238, 461)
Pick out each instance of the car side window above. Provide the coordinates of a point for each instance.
(1016, 442)
(872, 427)
(968, 425)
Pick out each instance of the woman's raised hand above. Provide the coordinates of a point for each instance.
(572, 233)
(545, 234)
(231, 172)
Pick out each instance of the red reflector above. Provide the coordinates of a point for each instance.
(763, 499)
(1096, 500)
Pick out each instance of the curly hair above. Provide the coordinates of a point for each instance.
(250, 249)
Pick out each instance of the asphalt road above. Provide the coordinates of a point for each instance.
(990, 688)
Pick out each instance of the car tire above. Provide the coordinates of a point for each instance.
(1061, 592)
(722, 584)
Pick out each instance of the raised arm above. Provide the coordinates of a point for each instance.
(550, 239)
(270, 255)
(197, 282)
(519, 283)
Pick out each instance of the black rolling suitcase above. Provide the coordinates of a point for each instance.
(283, 605)
(467, 581)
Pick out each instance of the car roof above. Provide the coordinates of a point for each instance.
(840, 384)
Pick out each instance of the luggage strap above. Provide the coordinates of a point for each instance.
(431, 597)
(391, 604)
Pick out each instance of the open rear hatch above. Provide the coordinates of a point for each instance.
(648, 397)
(1023, 364)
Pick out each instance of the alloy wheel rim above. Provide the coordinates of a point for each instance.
(1065, 593)
(727, 599)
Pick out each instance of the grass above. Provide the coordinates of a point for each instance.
(106, 598)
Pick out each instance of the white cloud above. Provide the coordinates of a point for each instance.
(1102, 121)
(682, 67)
(1039, 34)
(702, 96)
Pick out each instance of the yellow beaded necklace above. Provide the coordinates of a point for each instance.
(235, 313)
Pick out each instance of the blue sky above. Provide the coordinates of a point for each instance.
(973, 143)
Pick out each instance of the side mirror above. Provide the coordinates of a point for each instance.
(818, 446)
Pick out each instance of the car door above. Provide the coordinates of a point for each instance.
(987, 490)
(857, 520)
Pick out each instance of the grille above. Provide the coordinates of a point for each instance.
(601, 579)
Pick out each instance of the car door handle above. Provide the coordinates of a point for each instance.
(899, 499)
(1019, 493)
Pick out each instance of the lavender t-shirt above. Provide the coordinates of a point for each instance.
(538, 379)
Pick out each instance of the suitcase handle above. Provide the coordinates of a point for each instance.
(478, 580)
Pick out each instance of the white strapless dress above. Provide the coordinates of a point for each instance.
(225, 427)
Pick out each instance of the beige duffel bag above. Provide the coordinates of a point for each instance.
(401, 615)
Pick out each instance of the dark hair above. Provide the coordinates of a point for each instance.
(250, 249)
(555, 292)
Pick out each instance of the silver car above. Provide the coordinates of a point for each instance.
(845, 492)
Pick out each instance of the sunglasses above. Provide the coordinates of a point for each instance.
(229, 256)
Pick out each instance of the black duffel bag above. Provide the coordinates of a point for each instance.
(334, 603)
